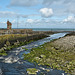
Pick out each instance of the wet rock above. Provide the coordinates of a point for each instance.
(11, 59)
(7, 43)
(37, 58)
(42, 56)
(32, 71)
(19, 67)
(47, 70)
(57, 48)
(36, 45)
(1, 73)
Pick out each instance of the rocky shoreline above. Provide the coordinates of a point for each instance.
(66, 43)
(58, 54)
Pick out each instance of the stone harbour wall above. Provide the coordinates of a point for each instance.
(15, 31)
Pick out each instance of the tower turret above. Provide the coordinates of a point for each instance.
(9, 25)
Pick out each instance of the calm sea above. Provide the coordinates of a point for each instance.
(49, 29)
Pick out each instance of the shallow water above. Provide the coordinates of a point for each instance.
(13, 63)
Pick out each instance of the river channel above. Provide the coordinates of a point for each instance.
(13, 63)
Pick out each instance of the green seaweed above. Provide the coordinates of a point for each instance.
(48, 55)
(31, 71)
(24, 48)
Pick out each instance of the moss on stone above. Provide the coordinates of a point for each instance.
(24, 48)
(32, 71)
(48, 55)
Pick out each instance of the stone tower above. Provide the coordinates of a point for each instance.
(9, 25)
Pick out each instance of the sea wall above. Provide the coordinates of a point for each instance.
(15, 31)
(16, 40)
(12, 38)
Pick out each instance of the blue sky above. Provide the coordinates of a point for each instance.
(38, 13)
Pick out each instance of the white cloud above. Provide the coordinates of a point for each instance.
(3, 22)
(30, 21)
(41, 21)
(14, 21)
(24, 16)
(70, 19)
(7, 14)
(49, 2)
(61, 7)
(33, 20)
(24, 3)
(69, 1)
(46, 12)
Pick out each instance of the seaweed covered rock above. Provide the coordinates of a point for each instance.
(48, 55)
(42, 56)
(7, 43)
(32, 71)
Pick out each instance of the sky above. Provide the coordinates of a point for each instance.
(38, 13)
